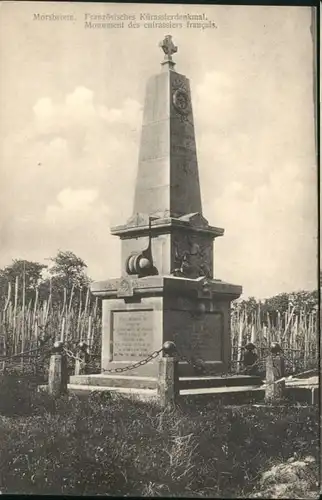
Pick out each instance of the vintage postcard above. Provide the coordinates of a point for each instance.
(159, 274)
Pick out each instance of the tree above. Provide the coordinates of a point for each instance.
(279, 303)
(70, 269)
(297, 301)
(67, 279)
(31, 270)
(29, 274)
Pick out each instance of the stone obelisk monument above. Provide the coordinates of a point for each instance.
(167, 290)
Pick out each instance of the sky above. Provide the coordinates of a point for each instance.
(71, 103)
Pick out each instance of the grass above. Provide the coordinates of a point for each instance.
(113, 446)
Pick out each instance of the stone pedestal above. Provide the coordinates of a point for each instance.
(57, 376)
(140, 314)
(275, 385)
(168, 383)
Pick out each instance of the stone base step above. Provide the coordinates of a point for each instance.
(220, 390)
(218, 381)
(114, 381)
(303, 382)
(99, 388)
(142, 394)
(185, 383)
(224, 395)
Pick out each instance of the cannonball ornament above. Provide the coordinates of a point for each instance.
(58, 346)
(82, 345)
(136, 263)
(144, 263)
(169, 348)
(275, 348)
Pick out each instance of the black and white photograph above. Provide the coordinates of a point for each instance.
(159, 250)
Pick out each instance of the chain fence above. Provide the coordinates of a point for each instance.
(200, 366)
(36, 361)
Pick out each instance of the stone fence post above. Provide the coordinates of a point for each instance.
(168, 381)
(58, 373)
(81, 363)
(275, 383)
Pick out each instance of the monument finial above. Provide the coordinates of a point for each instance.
(168, 48)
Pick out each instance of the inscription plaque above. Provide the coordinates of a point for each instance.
(132, 335)
(200, 337)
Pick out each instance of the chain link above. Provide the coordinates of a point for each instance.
(123, 369)
(192, 363)
(196, 366)
(142, 362)
(209, 370)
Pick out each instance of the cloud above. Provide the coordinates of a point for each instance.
(77, 212)
(70, 200)
(44, 109)
(77, 108)
(74, 135)
(129, 114)
(63, 173)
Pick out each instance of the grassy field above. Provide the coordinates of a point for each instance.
(111, 446)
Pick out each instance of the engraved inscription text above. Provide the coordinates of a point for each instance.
(132, 334)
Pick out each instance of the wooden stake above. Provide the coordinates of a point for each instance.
(28, 325)
(15, 316)
(287, 324)
(84, 315)
(36, 330)
(306, 343)
(64, 301)
(48, 303)
(78, 333)
(8, 297)
(89, 333)
(240, 341)
(71, 298)
(253, 334)
(23, 313)
(62, 332)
